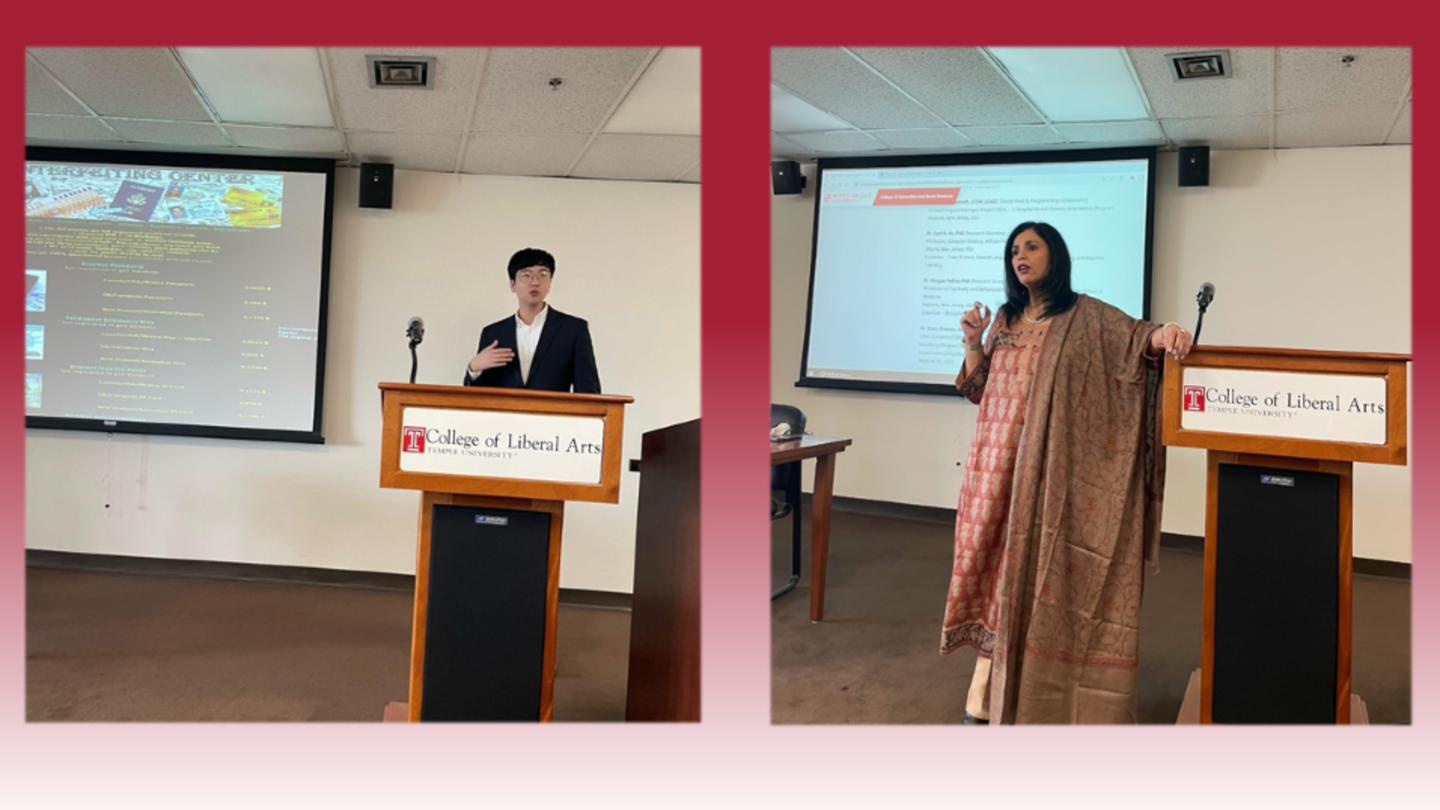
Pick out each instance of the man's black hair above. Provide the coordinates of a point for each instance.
(530, 257)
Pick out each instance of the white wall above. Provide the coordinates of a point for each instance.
(628, 261)
(1307, 248)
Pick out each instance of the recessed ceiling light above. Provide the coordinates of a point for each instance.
(261, 85)
(1075, 85)
(1207, 65)
(401, 71)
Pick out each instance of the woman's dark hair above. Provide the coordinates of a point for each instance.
(530, 257)
(1055, 288)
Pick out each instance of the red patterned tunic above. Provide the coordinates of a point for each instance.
(984, 510)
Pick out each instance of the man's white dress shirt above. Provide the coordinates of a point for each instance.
(526, 339)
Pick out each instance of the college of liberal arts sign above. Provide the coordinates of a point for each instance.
(502, 444)
(1324, 407)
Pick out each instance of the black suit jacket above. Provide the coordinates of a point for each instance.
(563, 358)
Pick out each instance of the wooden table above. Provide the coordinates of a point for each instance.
(823, 449)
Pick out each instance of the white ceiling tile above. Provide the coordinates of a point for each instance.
(944, 138)
(411, 152)
(43, 95)
(666, 99)
(958, 84)
(1012, 136)
(692, 176)
(790, 114)
(130, 82)
(1229, 113)
(1076, 84)
(835, 141)
(1232, 132)
(534, 155)
(1401, 131)
(169, 133)
(1316, 78)
(1349, 126)
(1246, 91)
(439, 110)
(1112, 132)
(839, 84)
(262, 85)
(78, 129)
(293, 139)
(781, 147)
(638, 157)
(515, 95)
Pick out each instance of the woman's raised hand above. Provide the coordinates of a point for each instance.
(974, 323)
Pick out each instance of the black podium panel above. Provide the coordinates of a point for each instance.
(1277, 583)
(485, 615)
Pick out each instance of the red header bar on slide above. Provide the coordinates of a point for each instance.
(917, 196)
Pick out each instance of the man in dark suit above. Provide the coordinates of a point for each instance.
(540, 348)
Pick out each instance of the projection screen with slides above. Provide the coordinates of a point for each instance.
(176, 293)
(903, 245)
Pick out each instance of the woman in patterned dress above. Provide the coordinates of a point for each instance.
(1060, 496)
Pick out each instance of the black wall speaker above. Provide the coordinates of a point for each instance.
(1194, 165)
(377, 184)
(785, 177)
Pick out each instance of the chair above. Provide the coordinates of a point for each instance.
(785, 478)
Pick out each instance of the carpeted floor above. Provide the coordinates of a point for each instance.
(112, 647)
(874, 658)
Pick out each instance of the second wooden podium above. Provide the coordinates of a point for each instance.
(495, 467)
(1283, 429)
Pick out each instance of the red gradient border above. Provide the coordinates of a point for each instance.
(734, 756)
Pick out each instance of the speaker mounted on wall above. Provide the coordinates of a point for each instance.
(1194, 166)
(377, 184)
(785, 177)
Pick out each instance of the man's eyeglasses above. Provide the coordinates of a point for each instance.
(530, 275)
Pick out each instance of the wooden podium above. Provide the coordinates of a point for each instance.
(1282, 430)
(494, 467)
(663, 680)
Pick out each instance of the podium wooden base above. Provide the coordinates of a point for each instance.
(485, 587)
(487, 568)
(1190, 706)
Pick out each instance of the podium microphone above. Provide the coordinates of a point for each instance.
(415, 330)
(1207, 294)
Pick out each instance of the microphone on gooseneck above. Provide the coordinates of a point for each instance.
(1203, 299)
(415, 330)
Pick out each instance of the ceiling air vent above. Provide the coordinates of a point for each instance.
(1206, 65)
(401, 71)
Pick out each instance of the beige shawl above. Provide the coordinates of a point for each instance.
(1084, 511)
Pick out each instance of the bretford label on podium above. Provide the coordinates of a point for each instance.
(502, 444)
(1325, 407)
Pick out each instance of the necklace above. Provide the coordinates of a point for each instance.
(1031, 320)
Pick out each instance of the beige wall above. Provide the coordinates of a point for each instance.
(1307, 248)
(628, 262)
